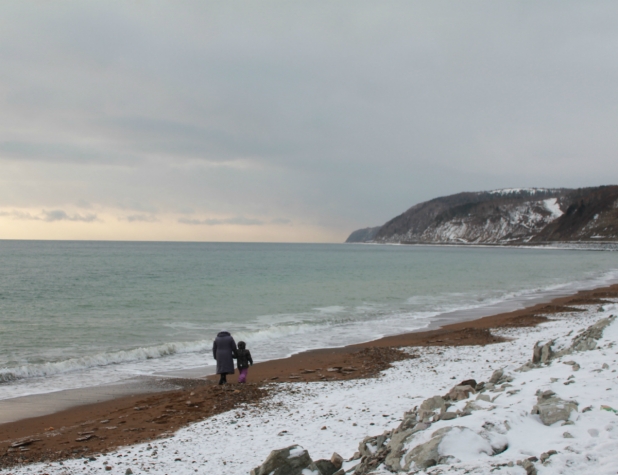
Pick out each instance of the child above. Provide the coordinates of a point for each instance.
(244, 360)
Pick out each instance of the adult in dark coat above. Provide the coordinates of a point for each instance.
(224, 351)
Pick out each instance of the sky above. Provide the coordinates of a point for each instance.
(292, 121)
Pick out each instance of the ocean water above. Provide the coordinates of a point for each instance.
(77, 314)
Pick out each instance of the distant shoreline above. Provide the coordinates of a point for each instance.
(550, 245)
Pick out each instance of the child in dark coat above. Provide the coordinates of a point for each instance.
(244, 359)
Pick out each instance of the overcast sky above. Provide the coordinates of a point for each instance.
(292, 120)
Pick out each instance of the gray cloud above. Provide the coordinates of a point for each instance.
(336, 114)
(240, 221)
(139, 218)
(50, 216)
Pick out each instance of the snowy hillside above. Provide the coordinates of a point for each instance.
(508, 216)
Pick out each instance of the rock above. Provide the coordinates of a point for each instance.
(326, 467)
(427, 455)
(472, 406)
(24, 442)
(526, 367)
(85, 438)
(483, 397)
(291, 460)
(542, 353)
(587, 340)
(567, 435)
(409, 420)
(469, 382)
(336, 460)
(396, 450)
(552, 409)
(529, 467)
(448, 416)
(370, 445)
(496, 376)
(545, 455)
(430, 406)
(128, 471)
(459, 393)
(433, 403)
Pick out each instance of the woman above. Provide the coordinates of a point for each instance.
(224, 350)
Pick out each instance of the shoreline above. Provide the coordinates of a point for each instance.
(142, 417)
(41, 404)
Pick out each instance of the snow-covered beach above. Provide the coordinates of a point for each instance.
(499, 430)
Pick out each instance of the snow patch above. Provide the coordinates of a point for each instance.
(551, 204)
(465, 445)
(512, 191)
(296, 452)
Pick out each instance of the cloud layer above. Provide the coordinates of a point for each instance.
(320, 116)
(49, 216)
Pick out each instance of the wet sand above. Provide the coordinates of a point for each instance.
(104, 425)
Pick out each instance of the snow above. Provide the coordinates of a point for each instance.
(465, 445)
(511, 191)
(235, 442)
(296, 452)
(515, 222)
(553, 207)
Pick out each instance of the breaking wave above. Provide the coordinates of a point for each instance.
(101, 359)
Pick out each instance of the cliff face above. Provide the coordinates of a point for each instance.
(511, 216)
(363, 235)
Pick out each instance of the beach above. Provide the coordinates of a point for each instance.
(102, 428)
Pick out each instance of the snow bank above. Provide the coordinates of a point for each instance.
(336, 416)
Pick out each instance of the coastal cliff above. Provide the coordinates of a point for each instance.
(507, 216)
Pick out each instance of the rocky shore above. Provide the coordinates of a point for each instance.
(529, 390)
(434, 435)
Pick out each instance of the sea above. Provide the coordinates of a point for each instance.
(83, 314)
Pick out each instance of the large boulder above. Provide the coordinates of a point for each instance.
(293, 460)
(552, 409)
(427, 455)
(587, 340)
(542, 352)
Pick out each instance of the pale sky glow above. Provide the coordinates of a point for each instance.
(292, 121)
